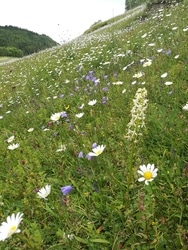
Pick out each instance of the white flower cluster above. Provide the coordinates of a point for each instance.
(138, 115)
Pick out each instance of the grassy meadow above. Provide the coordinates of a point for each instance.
(120, 92)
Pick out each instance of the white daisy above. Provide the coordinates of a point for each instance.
(185, 107)
(62, 148)
(97, 150)
(148, 173)
(55, 117)
(10, 227)
(10, 139)
(79, 115)
(30, 130)
(13, 146)
(168, 83)
(93, 102)
(164, 75)
(147, 64)
(44, 192)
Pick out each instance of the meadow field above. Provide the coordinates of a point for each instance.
(94, 139)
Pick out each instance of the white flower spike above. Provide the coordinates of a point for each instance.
(10, 227)
(44, 192)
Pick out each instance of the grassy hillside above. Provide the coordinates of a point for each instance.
(103, 121)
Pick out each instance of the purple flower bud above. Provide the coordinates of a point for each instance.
(104, 99)
(66, 189)
(81, 155)
(70, 126)
(55, 133)
(105, 89)
(63, 114)
(94, 145)
(88, 157)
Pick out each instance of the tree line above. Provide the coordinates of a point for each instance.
(19, 42)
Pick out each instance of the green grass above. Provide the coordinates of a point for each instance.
(108, 207)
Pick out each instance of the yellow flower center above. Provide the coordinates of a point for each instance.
(148, 175)
(98, 152)
(12, 230)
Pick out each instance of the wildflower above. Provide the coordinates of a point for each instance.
(30, 130)
(13, 146)
(164, 75)
(94, 145)
(97, 150)
(104, 99)
(138, 115)
(159, 50)
(151, 44)
(55, 117)
(148, 173)
(168, 83)
(117, 83)
(81, 155)
(93, 102)
(62, 148)
(10, 227)
(143, 36)
(44, 192)
(81, 107)
(46, 129)
(64, 114)
(185, 107)
(79, 115)
(68, 236)
(138, 75)
(66, 189)
(133, 83)
(147, 64)
(10, 139)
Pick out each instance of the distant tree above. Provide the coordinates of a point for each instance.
(11, 51)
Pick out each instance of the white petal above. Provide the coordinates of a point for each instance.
(140, 172)
(143, 168)
(92, 154)
(141, 179)
(152, 167)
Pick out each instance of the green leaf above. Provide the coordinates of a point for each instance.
(85, 241)
(47, 208)
(100, 241)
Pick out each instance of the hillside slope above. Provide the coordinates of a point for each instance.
(93, 139)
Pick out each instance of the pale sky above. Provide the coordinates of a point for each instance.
(58, 19)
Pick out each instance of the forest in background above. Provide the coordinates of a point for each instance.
(17, 42)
